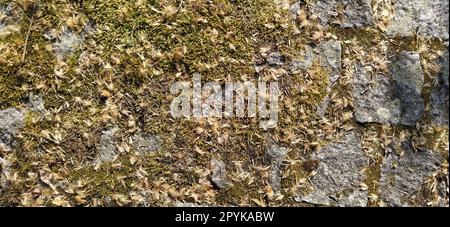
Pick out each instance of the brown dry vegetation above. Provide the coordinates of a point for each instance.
(141, 47)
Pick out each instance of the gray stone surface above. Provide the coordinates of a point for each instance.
(67, 41)
(107, 149)
(339, 174)
(11, 121)
(5, 173)
(36, 103)
(219, 174)
(403, 172)
(442, 190)
(408, 76)
(276, 154)
(396, 98)
(355, 14)
(144, 143)
(294, 8)
(439, 96)
(427, 18)
(374, 98)
(275, 59)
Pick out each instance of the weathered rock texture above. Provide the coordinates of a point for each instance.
(140, 142)
(439, 96)
(396, 99)
(345, 13)
(144, 143)
(427, 18)
(67, 42)
(218, 175)
(276, 155)
(404, 171)
(408, 76)
(275, 59)
(107, 149)
(374, 98)
(339, 174)
(5, 173)
(11, 121)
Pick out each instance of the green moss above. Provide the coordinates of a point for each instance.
(217, 40)
(11, 83)
(149, 47)
(298, 171)
(28, 118)
(373, 173)
(10, 88)
(236, 193)
(414, 43)
(365, 37)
